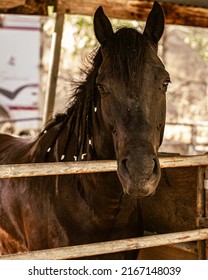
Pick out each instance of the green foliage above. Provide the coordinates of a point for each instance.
(83, 30)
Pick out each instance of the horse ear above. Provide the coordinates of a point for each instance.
(155, 23)
(102, 26)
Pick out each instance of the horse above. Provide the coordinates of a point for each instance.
(118, 112)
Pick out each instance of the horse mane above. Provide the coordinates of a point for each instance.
(126, 52)
(77, 118)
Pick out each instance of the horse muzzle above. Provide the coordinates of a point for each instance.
(140, 175)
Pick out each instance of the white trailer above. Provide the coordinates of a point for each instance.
(20, 44)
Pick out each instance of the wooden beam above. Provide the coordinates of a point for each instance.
(61, 168)
(5, 4)
(26, 7)
(123, 9)
(190, 16)
(137, 10)
(93, 249)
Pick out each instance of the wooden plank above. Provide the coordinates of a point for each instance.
(123, 9)
(180, 251)
(93, 249)
(45, 169)
(189, 16)
(137, 10)
(197, 3)
(173, 206)
(183, 161)
(170, 252)
(5, 4)
(26, 7)
(60, 168)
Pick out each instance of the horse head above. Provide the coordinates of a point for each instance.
(131, 88)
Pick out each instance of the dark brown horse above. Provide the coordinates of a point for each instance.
(118, 112)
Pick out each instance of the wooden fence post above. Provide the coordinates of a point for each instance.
(53, 68)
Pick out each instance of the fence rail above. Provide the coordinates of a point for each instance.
(93, 249)
(60, 168)
(20, 120)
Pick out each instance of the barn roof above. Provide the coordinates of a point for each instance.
(184, 12)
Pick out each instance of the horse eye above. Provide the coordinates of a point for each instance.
(165, 84)
(102, 89)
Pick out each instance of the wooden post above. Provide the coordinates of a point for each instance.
(200, 209)
(53, 68)
(206, 206)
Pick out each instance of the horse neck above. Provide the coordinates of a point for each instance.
(101, 191)
(102, 139)
(70, 140)
(103, 194)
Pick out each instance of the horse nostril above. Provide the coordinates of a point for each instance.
(123, 166)
(155, 166)
(128, 168)
(159, 126)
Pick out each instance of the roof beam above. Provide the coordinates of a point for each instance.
(124, 9)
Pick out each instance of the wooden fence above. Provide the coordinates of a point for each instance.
(60, 168)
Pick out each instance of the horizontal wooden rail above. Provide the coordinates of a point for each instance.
(60, 168)
(93, 249)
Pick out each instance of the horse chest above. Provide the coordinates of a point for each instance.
(101, 199)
